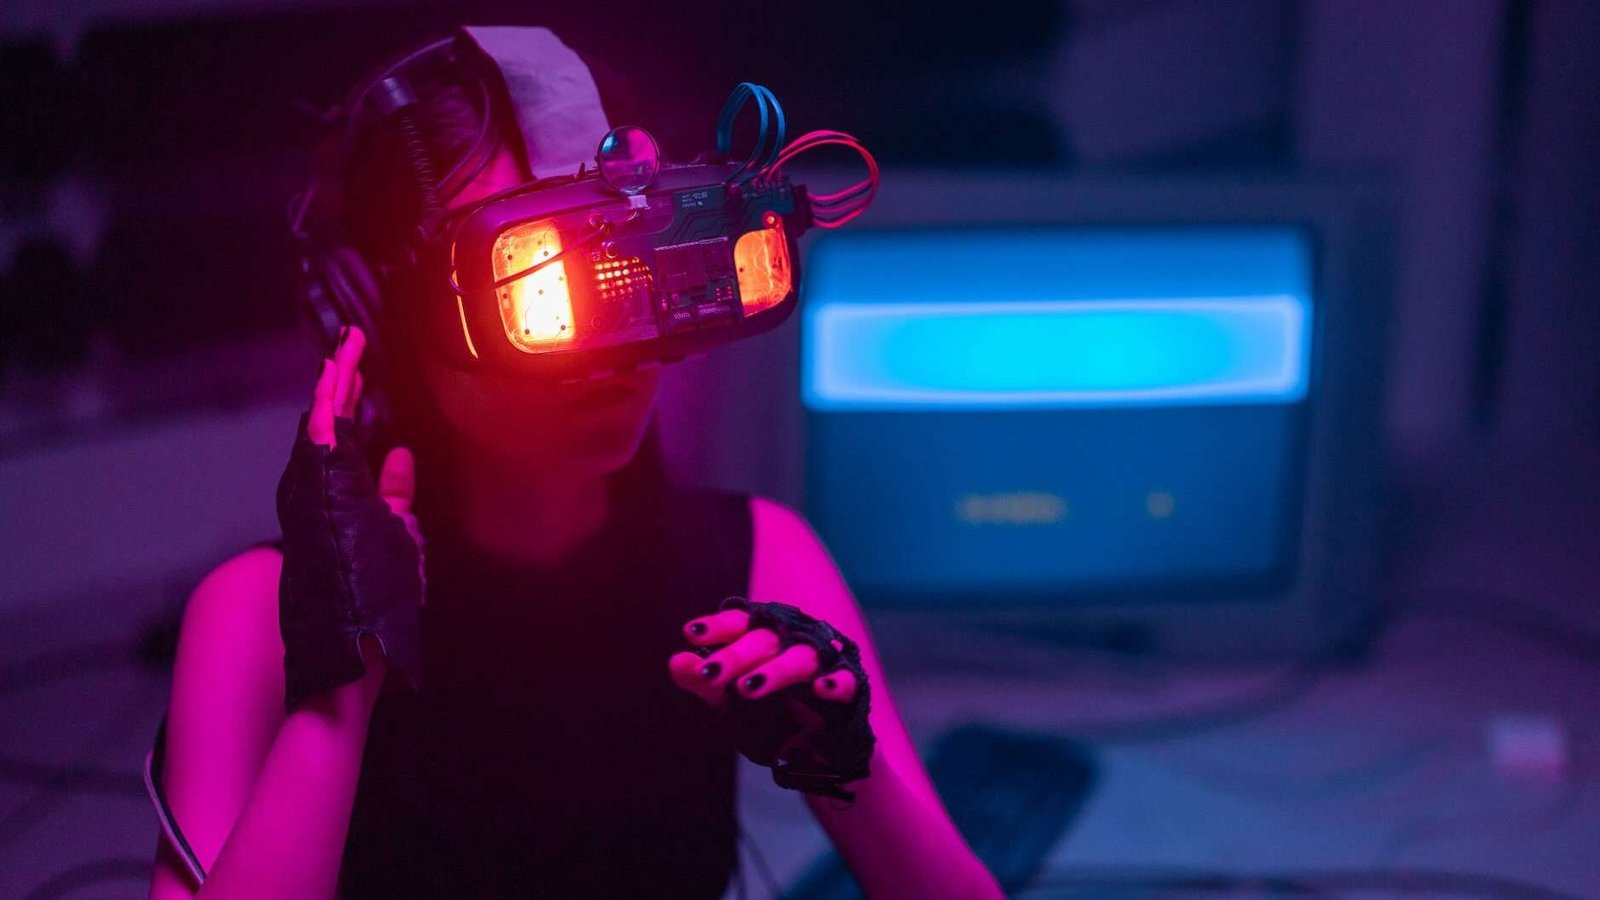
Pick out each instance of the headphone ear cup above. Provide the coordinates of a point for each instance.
(354, 289)
(341, 290)
(337, 289)
(319, 300)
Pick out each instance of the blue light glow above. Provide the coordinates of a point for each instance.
(1056, 318)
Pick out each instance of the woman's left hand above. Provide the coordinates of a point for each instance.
(793, 686)
(752, 662)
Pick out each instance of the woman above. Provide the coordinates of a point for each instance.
(582, 694)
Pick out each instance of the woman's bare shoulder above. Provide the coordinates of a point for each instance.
(235, 590)
(788, 555)
(229, 641)
(776, 518)
(226, 704)
(260, 561)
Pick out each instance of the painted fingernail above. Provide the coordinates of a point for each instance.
(830, 683)
(710, 670)
(754, 682)
(697, 628)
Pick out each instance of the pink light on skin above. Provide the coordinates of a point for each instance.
(264, 798)
(752, 661)
(897, 837)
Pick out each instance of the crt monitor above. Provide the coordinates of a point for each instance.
(1130, 408)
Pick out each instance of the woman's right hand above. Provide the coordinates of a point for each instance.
(352, 553)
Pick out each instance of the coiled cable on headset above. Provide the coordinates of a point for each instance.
(395, 97)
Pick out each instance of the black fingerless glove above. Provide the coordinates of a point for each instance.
(811, 744)
(350, 567)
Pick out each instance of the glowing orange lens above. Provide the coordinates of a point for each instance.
(762, 258)
(537, 308)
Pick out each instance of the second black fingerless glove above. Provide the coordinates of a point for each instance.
(350, 568)
(833, 748)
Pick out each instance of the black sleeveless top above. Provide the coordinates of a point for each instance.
(548, 753)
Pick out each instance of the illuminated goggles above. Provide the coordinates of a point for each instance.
(630, 262)
(622, 259)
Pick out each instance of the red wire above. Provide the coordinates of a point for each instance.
(840, 220)
(833, 208)
(847, 192)
(844, 195)
(823, 138)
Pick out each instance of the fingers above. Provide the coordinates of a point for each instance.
(721, 628)
(685, 669)
(397, 482)
(397, 485)
(792, 666)
(346, 360)
(753, 649)
(349, 408)
(838, 685)
(319, 426)
(338, 387)
(751, 662)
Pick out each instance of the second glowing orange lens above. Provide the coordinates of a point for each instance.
(762, 260)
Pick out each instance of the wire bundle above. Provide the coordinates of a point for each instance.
(766, 159)
(835, 209)
(770, 126)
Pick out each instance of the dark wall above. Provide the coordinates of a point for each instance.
(148, 153)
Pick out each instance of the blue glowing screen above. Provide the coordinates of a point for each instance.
(1040, 318)
(1054, 411)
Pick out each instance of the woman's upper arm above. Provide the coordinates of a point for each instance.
(791, 565)
(226, 706)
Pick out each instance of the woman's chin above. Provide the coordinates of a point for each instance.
(585, 430)
(585, 449)
(603, 451)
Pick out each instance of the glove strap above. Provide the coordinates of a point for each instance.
(840, 751)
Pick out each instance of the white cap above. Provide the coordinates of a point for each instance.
(552, 94)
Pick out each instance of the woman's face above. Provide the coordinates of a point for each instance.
(586, 428)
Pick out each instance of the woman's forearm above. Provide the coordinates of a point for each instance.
(899, 846)
(289, 839)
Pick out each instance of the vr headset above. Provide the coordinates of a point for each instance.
(610, 257)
